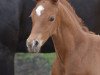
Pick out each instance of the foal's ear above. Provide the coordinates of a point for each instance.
(54, 1)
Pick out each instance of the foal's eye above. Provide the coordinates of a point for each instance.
(52, 18)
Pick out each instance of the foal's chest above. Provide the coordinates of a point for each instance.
(88, 64)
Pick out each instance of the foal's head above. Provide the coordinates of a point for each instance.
(45, 18)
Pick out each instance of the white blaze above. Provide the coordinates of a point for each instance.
(39, 10)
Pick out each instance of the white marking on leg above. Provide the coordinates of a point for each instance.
(39, 10)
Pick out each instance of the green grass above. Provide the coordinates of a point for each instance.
(32, 63)
(28, 56)
(49, 57)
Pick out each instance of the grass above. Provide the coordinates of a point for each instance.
(28, 56)
(49, 57)
(33, 64)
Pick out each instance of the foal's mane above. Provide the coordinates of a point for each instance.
(81, 23)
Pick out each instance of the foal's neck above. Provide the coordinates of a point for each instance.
(69, 35)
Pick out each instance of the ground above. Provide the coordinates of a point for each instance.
(33, 64)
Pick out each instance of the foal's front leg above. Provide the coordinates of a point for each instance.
(57, 68)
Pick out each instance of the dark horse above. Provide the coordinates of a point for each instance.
(89, 11)
(77, 49)
(14, 17)
(15, 27)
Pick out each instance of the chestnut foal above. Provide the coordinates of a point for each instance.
(77, 50)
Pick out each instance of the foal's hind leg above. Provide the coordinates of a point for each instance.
(57, 69)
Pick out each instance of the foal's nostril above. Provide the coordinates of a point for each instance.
(36, 43)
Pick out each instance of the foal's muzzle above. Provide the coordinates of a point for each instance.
(33, 46)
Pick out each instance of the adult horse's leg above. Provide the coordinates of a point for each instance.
(6, 61)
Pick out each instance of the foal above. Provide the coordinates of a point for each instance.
(77, 50)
